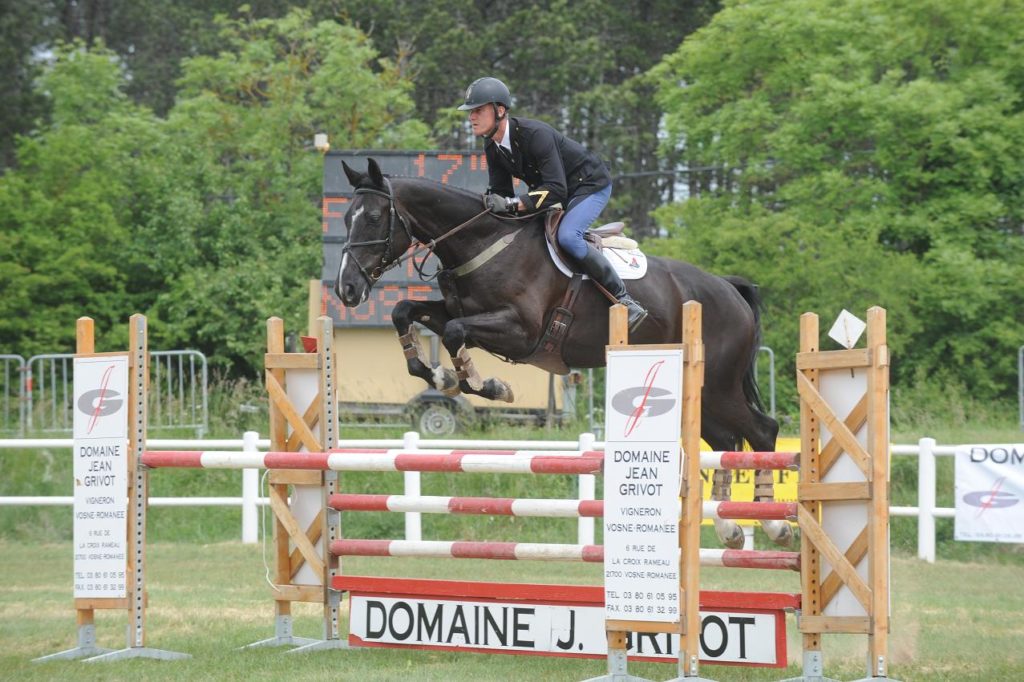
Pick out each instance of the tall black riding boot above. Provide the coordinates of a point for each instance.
(602, 272)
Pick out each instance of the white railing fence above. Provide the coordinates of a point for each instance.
(926, 450)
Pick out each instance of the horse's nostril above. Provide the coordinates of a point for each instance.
(350, 293)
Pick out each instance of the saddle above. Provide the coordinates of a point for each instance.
(607, 236)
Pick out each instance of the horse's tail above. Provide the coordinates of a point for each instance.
(748, 290)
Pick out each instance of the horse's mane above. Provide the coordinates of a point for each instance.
(451, 189)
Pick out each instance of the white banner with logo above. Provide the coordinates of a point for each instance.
(101, 476)
(643, 408)
(742, 637)
(990, 493)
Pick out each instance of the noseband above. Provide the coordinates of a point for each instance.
(388, 261)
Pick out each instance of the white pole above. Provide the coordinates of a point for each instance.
(250, 493)
(413, 520)
(926, 500)
(588, 488)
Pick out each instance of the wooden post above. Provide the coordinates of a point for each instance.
(331, 529)
(878, 513)
(138, 390)
(279, 442)
(691, 493)
(810, 472)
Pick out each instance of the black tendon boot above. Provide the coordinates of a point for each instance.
(602, 272)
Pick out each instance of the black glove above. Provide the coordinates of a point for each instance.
(496, 203)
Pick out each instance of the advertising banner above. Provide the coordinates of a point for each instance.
(735, 636)
(641, 477)
(989, 493)
(100, 434)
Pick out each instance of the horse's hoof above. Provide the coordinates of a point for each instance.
(446, 382)
(780, 532)
(496, 389)
(729, 533)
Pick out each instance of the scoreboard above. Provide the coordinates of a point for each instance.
(466, 169)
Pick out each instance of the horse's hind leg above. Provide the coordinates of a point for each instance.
(728, 531)
(761, 432)
(767, 430)
(433, 316)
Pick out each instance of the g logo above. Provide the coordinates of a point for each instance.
(991, 499)
(100, 402)
(624, 402)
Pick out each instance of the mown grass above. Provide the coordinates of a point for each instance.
(951, 621)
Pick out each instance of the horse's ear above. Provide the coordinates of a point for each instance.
(376, 177)
(354, 176)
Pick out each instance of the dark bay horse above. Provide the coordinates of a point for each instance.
(499, 286)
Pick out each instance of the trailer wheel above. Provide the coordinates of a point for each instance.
(437, 419)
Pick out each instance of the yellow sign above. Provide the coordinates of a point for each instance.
(743, 481)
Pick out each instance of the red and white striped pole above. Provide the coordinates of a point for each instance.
(503, 506)
(526, 551)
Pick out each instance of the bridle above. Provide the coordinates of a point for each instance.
(388, 261)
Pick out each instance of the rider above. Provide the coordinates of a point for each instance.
(557, 170)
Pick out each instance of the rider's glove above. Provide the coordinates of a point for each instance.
(496, 203)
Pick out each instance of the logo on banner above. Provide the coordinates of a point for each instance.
(989, 489)
(991, 499)
(652, 401)
(100, 402)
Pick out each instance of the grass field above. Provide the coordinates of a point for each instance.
(951, 621)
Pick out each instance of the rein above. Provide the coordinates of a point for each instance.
(387, 261)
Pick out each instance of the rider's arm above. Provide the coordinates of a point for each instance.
(543, 151)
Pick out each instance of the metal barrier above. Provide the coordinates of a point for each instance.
(178, 393)
(178, 383)
(12, 394)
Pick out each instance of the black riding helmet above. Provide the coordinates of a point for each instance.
(486, 90)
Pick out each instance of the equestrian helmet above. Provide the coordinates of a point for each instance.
(485, 91)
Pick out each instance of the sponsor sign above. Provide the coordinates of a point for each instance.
(643, 409)
(743, 481)
(100, 467)
(734, 636)
(990, 493)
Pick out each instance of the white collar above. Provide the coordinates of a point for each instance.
(505, 140)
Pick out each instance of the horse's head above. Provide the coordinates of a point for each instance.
(377, 235)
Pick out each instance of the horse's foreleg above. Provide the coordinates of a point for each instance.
(433, 316)
(728, 531)
(780, 532)
(479, 327)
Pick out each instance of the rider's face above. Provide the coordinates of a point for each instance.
(482, 119)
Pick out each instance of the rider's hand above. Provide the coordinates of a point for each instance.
(496, 203)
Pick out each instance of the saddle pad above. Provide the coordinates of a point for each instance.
(629, 263)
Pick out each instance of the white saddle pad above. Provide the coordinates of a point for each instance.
(630, 263)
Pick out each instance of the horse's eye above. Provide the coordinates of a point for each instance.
(374, 216)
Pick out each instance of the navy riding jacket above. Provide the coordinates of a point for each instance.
(554, 167)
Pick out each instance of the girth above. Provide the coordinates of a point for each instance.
(547, 354)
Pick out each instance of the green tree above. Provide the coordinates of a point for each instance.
(67, 212)
(243, 126)
(24, 30)
(207, 221)
(864, 153)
